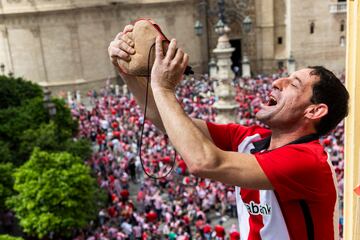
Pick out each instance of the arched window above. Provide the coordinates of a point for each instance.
(342, 41)
(312, 28)
(342, 25)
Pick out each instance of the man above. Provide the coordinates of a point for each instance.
(285, 183)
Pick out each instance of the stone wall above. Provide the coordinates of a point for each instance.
(68, 46)
(323, 46)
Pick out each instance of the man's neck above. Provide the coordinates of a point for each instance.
(280, 138)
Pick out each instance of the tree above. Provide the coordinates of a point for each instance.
(5, 154)
(55, 194)
(6, 183)
(79, 147)
(16, 123)
(8, 237)
(47, 138)
(22, 109)
(14, 91)
(6, 191)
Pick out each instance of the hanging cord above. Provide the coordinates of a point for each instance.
(143, 124)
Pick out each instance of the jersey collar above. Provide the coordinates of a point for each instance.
(264, 143)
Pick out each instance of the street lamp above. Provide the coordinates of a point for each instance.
(220, 27)
(48, 104)
(247, 24)
(198, 28)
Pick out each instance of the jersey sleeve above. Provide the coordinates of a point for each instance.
(228, 136)
(220, 135)
(295, 171)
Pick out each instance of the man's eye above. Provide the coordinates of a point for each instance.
(294, 85)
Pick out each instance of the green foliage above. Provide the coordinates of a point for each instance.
(6, 183)
(63, 118)
(56, 194)
(5, 154)
(80, 148)
(8, 237)
(46, 137)
(14, 91)
(14, 120)
(28, 122)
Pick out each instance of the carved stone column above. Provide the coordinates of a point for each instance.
(225, 93)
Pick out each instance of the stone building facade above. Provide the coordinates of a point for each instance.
(308, 32)
(316, 32)
(63, 43)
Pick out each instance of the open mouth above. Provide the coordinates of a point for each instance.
(272, 101)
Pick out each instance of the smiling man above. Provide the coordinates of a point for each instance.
(285, 187)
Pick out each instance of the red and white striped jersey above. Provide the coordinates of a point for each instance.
(303, 204)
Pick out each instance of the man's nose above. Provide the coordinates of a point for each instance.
(280, 83)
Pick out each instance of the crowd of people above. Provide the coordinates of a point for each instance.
(177, 206)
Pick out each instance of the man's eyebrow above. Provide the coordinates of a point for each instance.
(298, 79)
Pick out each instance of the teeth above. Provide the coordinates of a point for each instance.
(272, 101)
(272, 98)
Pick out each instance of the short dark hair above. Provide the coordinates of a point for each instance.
(332, 92)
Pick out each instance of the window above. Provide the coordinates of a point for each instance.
(342, 25)
(312, 28)
(342, 41)
(280, 40)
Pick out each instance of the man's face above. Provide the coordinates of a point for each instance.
(288, 100)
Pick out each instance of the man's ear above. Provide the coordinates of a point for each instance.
(316, 111)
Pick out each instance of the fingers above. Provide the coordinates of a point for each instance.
(159, 51)
(119, 48)
(115, 52)
(128, 28)
(185, 61)
(171, 50)
(122, 46)
(127, 38)
(181, 59)
(125, 47)
(179, 56)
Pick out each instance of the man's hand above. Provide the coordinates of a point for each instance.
(122, 46)
(168, 70)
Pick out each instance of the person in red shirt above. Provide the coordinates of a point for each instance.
(115, 125)
(235, 235)
(182, 166)
(207, 230)
(276, 198)
(112, 212)
(219, 231)
(151, 216)
(199, 224)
